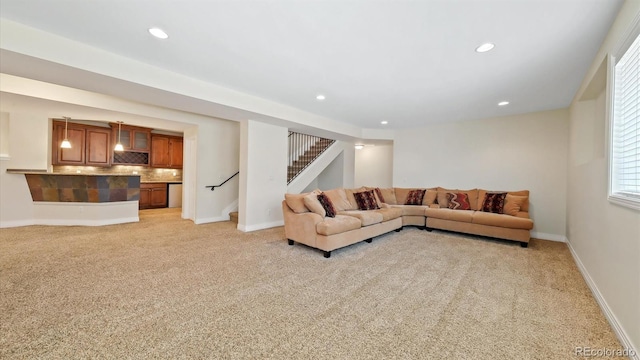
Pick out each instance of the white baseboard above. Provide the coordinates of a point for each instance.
(606, 310)
(550, 237)
(211, 220)
(17, 223)
(256, 227)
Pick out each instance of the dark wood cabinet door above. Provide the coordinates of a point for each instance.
(176, 152)
(145, 198)
(159, 197)
(160, 151)
(98, 147)
(75, 155)
(140, 140)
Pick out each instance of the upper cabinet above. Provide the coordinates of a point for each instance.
(136, 142)
(166, 151)
(90, 145)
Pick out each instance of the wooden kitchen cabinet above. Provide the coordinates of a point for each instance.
(90, 145)
(166, 151)
(132, 138)
(153, 195)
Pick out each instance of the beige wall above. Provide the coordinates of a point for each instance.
(509, 153)
(374, 166)
(604, 237)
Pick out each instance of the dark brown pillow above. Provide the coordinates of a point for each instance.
(458, 201)
(379, 193)
(366, 200)
(327, 205)
(494, 203)
(415, 197)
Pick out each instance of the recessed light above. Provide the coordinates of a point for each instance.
(320, 97)
(384, 122)
(503, 103)
(359, 147)
(485, 47)
(159, 33)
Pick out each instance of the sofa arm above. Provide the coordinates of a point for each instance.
(300, 227)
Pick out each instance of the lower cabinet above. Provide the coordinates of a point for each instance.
(153, 195)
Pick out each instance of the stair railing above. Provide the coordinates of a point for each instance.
(213, 187)
(303, 150)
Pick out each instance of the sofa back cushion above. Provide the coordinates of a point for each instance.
(513, 204)
(339, 199)
(389, 195)
(353, 204)
(402, 194)
(430, 197)
(296, 202)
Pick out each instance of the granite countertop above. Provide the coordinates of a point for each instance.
(45, 172)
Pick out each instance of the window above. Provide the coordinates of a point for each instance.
(625, 130)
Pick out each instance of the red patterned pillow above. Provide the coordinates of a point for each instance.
(415, 197)
(379, 193)
(494, 203)
(327, 205)
(458, 201)
(366, 200)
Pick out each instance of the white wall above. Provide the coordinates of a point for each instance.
(332, 176)
(29, 136)
(604, 237)
(509, 153)
(263, 175)
(374, 166)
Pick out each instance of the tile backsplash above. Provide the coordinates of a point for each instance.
(146, 173)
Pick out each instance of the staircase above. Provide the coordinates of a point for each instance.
(233, 217)
(303, 150)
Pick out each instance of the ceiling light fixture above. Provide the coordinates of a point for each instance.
(384, 122)
(485, 47)
(159, 33)
(65, 143)
(503, 103)
(320, 97)
(119, 146)
(359, 146)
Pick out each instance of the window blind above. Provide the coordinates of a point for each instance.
(626, 126)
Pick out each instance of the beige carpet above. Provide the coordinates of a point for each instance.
(165, 288)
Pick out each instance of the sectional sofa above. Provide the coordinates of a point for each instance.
(502, 215)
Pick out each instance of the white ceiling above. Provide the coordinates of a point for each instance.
(408, 62)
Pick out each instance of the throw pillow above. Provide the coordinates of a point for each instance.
(513, 204)
(415, 197)
(366, 200)
(296, 202)
(494, 203)
(327, 205)
(430, 197)
(379, 193)
(458, 201)
(313, 204)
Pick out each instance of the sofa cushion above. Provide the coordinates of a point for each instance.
(415, 197)
(327, 204)
(296, 202)
(366, 200)
(389, 195)
(410, 210)
(458, 201)
(430, 197)
(389, 213)
(513, 204)
(493, 202)
(339, 199)
(379, 195)
(337, 225)
(448, 214)
(501, 220)
(312, 203)
(366, 217)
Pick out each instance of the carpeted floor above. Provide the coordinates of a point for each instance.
(165, 288)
